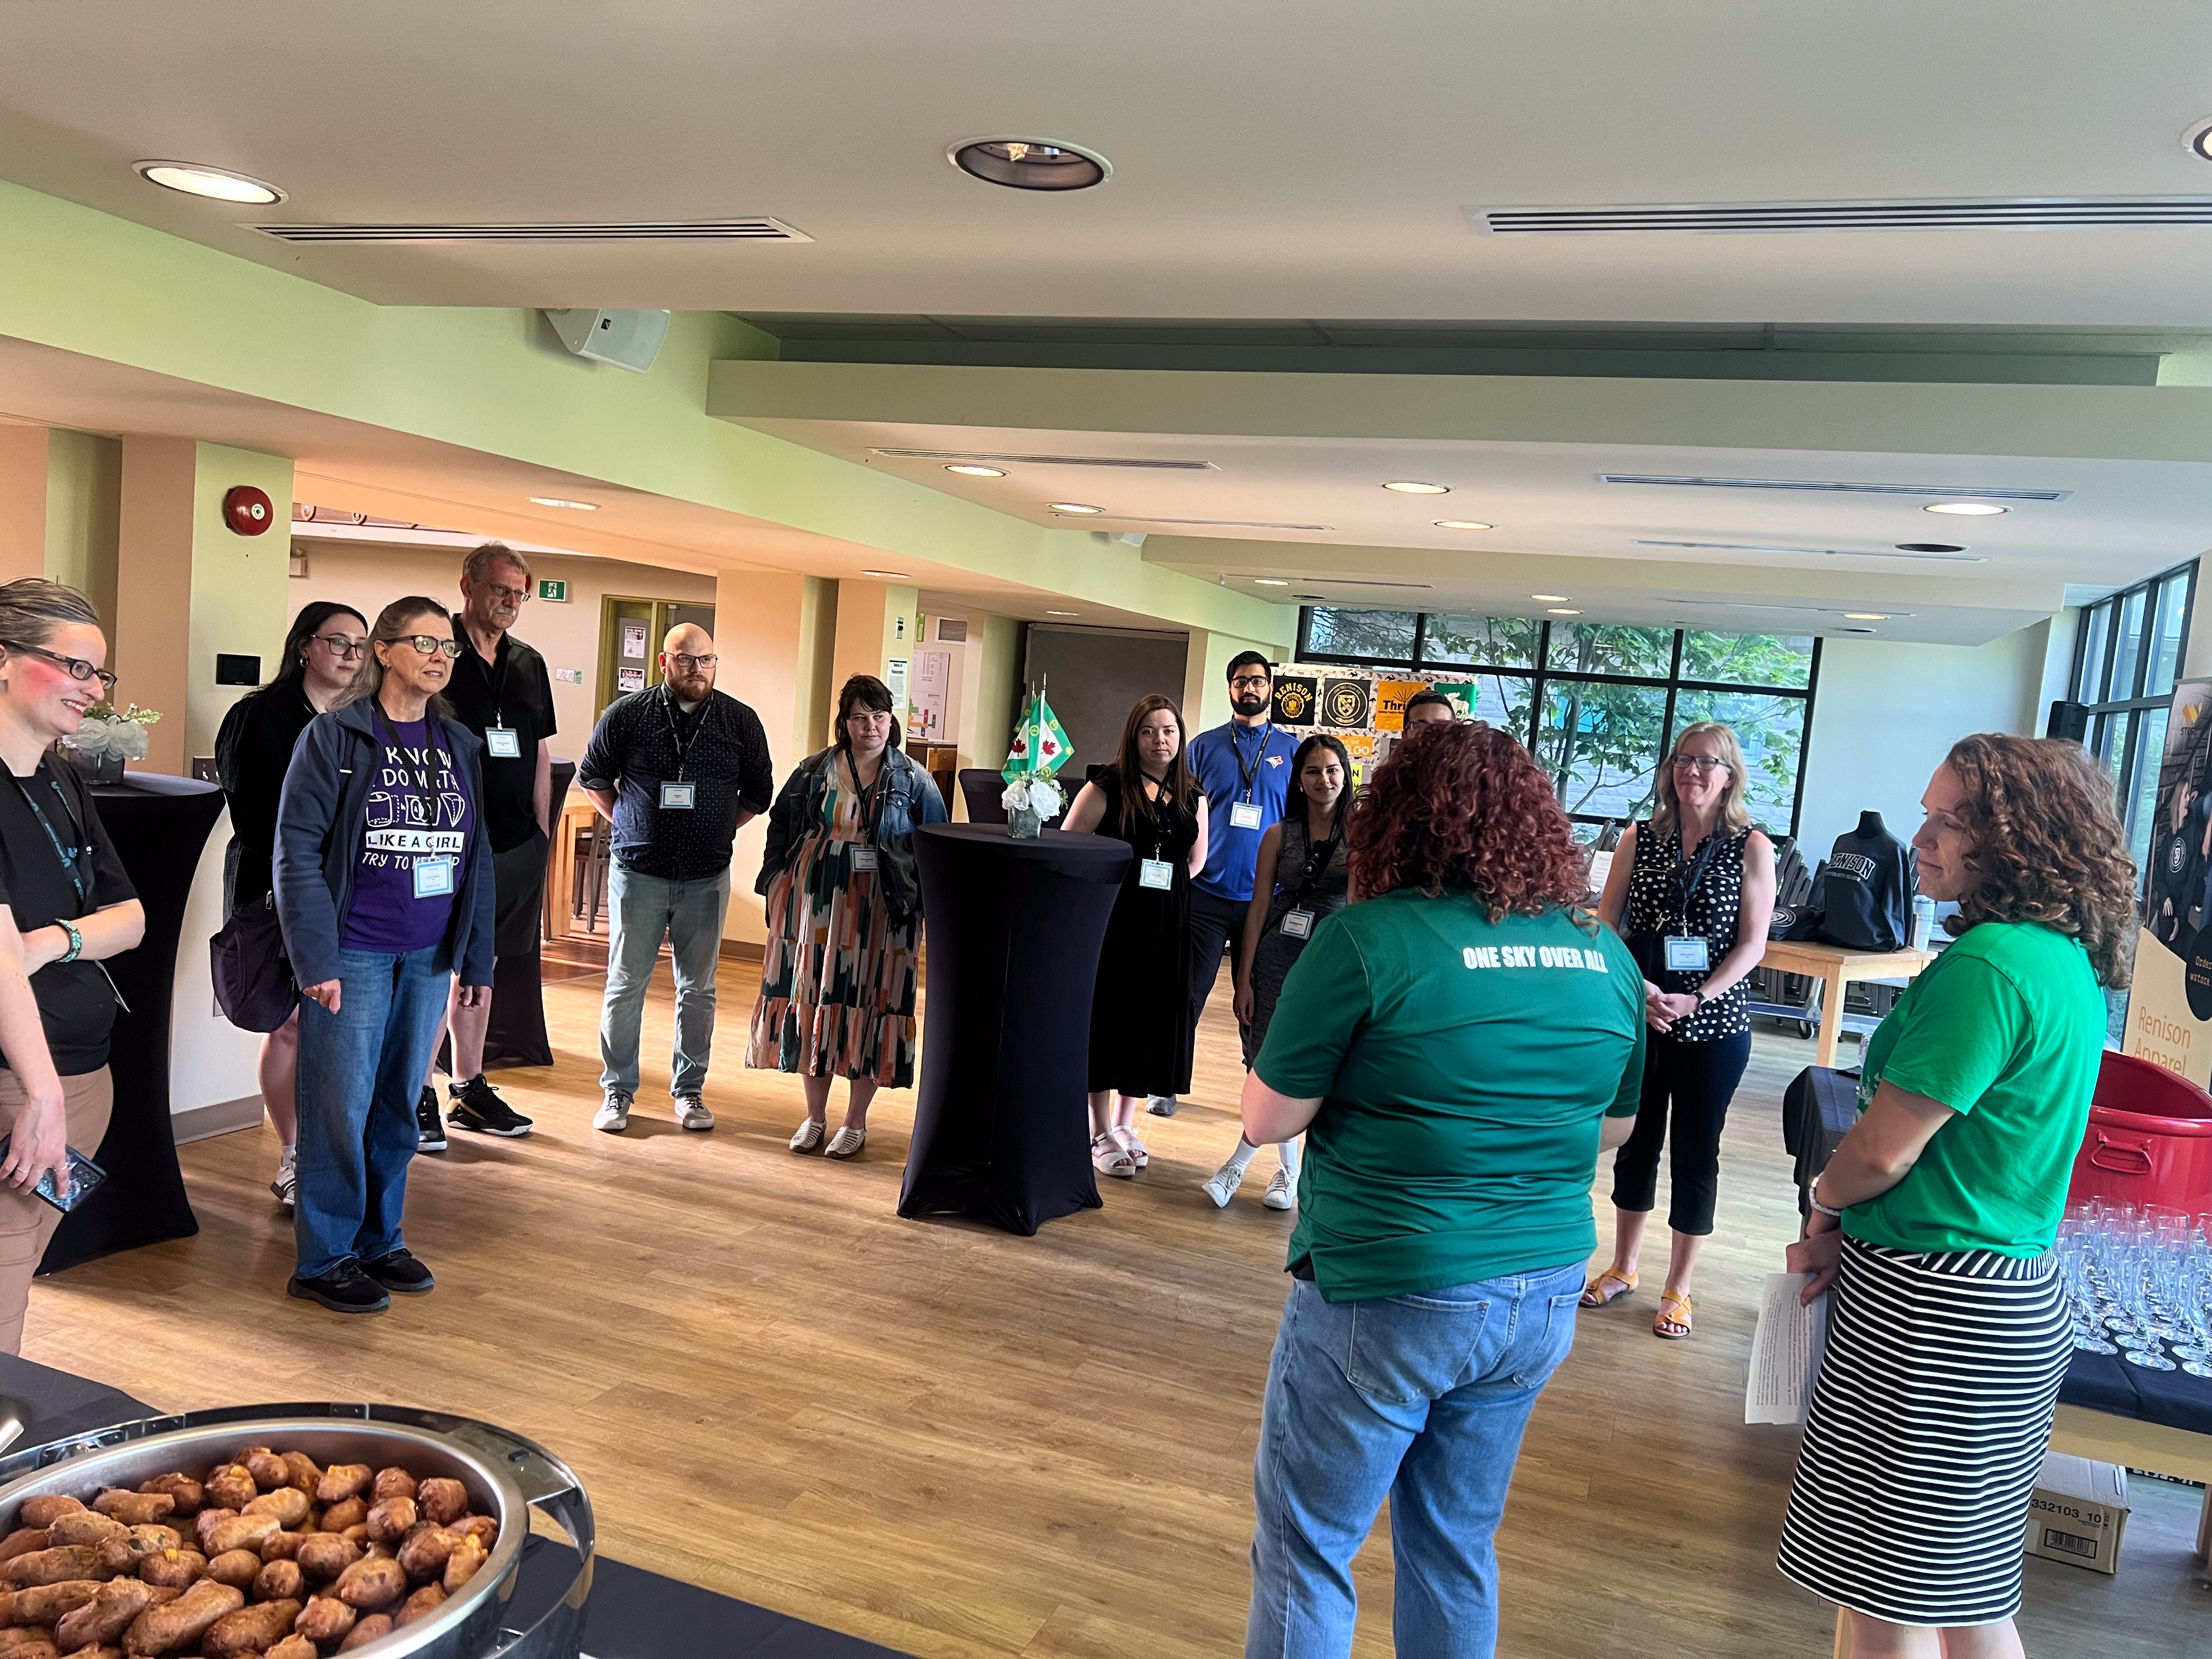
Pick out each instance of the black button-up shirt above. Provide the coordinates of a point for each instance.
(512, 690)
(643, 741)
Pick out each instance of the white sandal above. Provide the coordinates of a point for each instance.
(1109, 1157)
(1139, 1157)
(845, 1143)
(809, 1138)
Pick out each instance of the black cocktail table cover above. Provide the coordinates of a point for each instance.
(158, 827)
(2106, 1383)
(1002, 1125)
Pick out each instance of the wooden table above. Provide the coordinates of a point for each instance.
(576, 813)
(1836, 968)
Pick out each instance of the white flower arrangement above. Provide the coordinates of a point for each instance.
(105, 732)
(1033, 794)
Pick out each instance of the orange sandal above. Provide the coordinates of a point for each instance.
(1595, 1294)
(1679, 1319)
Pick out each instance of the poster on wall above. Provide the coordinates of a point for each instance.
(629, 679)
(932, 682)
(633, 639)
(1391, 697)
(1344, 704)
(1294, 696)
(2170, 1003)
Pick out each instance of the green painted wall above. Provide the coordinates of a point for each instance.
(84, 506)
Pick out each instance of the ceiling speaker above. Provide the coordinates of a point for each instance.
(628, 339)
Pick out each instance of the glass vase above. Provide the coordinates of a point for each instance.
(1023, 824)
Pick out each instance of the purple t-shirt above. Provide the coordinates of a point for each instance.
(418, 810)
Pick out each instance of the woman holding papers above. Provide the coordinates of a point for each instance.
(1934, 1221)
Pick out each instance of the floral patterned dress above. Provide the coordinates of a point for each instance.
(837, 977)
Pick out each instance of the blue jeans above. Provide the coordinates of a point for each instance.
(360, 1072)
(1422, 1399)
(640, 909)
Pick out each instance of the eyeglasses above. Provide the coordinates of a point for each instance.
(512, 595)
(341, 645)
(429, 644)
(1700, 763)
(77, 667)
(687, 664)
(1259, 680)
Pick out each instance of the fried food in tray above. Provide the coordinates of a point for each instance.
(266, 1554)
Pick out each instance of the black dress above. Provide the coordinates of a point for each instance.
(1140, 1026)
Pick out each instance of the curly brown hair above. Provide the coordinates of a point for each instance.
(1463, 806)
(2047, 845)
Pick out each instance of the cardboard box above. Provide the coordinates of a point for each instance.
(2078, 1512)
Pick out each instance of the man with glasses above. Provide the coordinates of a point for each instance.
(677, 770)
(1244, 767)
(500, 691)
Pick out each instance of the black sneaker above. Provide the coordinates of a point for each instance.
(477, 1107)
(429, 1127)
(401, 1271)
(344, 1288)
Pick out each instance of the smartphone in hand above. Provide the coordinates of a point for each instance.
(85, 1176)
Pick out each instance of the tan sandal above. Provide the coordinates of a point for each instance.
(1680, 1320)
(1595, 1294)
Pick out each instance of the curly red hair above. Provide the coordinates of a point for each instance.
(1461, 805)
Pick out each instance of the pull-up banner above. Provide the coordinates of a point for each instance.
(2170, 1003)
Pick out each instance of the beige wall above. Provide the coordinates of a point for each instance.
(369, 576)
(760, 624)
(1206, 676)
(239, 587)
(22, 501)
(150, 648)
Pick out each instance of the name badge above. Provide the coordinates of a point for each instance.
(677, 796)
(1244, 815)
(1298, 924)
(504, 743)
(864, 859)
(1687, 956)
(1156, 873)
(434, 877)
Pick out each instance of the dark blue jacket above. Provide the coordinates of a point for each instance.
(322, 817)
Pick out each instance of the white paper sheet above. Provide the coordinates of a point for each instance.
(1786, 1353)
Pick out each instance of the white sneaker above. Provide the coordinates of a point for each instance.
(691, 1112)
(1282, 1191)
(809, 1138)
(286, 1186)
(845, 1143)
(613, 1115)
(1221, 1186)
(1161, 1105)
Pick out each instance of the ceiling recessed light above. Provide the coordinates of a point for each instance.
(1931, 547)
(1269, 581)
(2197, 139)
(555, 500)
(887, 575)
(1063, 613)
(1463, 523)
(1866, 616)
(1074, 507)
(214, 182)
(1551, 599)
(1557, 612)
(1030, 163)
(1967, 509)
(1413, 487)
(978, 471)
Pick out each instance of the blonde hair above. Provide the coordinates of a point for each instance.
(1667, 815)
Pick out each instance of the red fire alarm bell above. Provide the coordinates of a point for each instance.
(247, 511)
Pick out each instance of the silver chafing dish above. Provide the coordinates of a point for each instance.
(507, 1477)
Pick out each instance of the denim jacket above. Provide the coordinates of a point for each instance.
(910, 799)
(321, 817)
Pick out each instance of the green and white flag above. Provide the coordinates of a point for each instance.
(1041, 744)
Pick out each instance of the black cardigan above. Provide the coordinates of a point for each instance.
(251, 751)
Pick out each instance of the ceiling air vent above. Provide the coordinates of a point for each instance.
(992, 458)
(695, 230)
(1966, 213)
(1956, 556)
(1940, 492)
(951, 630)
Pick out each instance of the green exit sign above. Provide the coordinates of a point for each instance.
(548, 588)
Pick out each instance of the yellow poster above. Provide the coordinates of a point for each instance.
(1390, 700)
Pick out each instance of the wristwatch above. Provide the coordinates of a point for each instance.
(75, 939)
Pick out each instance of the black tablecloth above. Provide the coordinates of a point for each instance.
(2106, 1383)
(54, 1405)
(158, 827)
(1002, 1125)
(516, 1033)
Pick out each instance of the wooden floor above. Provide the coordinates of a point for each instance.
(955, 1442)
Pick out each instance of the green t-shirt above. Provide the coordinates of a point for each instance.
(1462, 1067)
(2006, 1027)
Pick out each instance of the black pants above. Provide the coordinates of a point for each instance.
(1698, 1080)
(1213, 923)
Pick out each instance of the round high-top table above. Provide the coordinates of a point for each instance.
(1002, 1123)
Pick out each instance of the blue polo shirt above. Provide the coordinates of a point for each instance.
(1222, 758)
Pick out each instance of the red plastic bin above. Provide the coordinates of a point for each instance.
(2149, 1140)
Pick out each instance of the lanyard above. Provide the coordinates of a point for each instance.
(68, 856)
(683, 744)
(1245, 774)
(421, 789)
(1684, 894)
(494, 676)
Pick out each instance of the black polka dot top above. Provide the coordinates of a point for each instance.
(1652, 890)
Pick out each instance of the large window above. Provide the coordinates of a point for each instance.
(2126, 656)
(1597, 704)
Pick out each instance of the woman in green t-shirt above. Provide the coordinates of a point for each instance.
(1948, 1336)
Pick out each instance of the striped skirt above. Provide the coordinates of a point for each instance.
(1929, 1421)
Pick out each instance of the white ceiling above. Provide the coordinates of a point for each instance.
(1273, 158)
